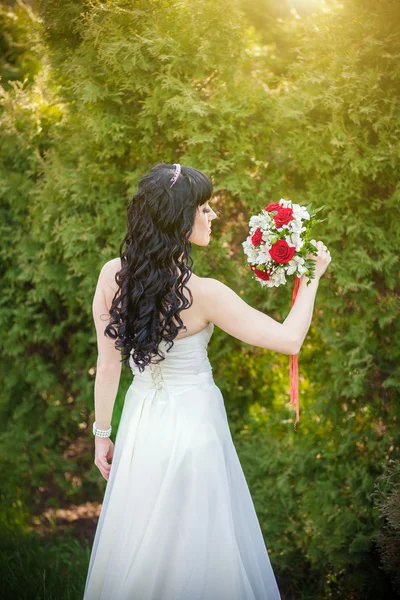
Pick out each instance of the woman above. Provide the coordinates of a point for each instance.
(177, 520)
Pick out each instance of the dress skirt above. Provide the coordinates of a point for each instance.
(177, 520)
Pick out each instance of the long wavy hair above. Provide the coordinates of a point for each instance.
(156, 263)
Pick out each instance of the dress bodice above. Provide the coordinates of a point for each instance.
(185, 363)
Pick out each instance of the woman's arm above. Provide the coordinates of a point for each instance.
(299, 318)
(108, 369)
(221, 305)
(232, 314)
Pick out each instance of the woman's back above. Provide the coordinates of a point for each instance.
(215, 302)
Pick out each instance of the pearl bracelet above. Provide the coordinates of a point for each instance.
(104, 433)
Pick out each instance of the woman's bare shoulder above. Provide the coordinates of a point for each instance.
(207, 285)
(206, 289)
(114, 264)
(202, 285)
(109, 271)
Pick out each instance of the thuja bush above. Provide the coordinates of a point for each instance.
(108, 106)
(336, 143)
(19, 43)
(387, 500)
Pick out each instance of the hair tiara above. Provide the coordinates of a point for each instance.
(176, 174)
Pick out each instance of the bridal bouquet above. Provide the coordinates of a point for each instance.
(278, 242)
(277, 247)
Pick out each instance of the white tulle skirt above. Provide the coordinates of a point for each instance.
(177, 520)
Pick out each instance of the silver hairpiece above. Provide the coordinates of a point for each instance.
(176, 174)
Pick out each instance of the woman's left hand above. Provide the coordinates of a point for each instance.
(104, 450)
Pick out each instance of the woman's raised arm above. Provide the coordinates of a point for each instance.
(221, 305)
(232, 314)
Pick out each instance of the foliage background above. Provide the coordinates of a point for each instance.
(271, 99)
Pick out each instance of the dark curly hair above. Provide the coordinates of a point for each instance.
(156, 263)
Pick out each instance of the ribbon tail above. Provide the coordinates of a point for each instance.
(294, 384)
(294, 367)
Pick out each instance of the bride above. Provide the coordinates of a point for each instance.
(177, 520)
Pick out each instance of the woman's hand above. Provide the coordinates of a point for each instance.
(104, 450)
(322, 259)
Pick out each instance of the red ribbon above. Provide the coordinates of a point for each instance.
(294, 367)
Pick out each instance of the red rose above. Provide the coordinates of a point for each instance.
(256, 238)
(283, 217)
(281, 252)
(260, 274)
(274, 206)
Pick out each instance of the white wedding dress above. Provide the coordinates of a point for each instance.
(177, 520)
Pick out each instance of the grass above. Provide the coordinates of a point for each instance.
(46, 568)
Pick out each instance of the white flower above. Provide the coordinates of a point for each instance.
(302, 270)
(254, 221)
(296, 225)
(252, 255)
(295, 240)
(295, 265)
(265, 220)
(285, 203)
(277, 278)
(299, 212)
(263, 257)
